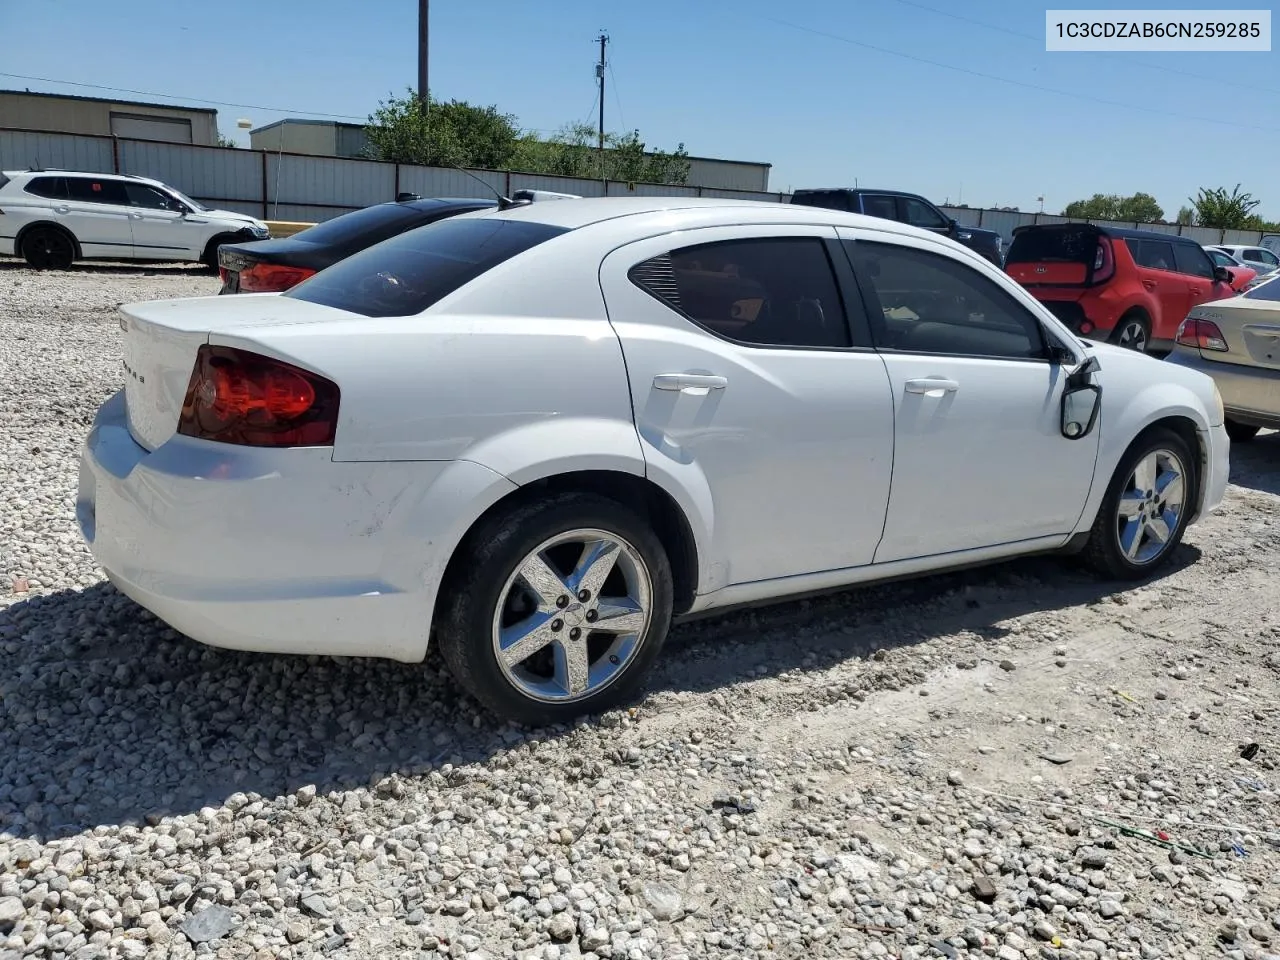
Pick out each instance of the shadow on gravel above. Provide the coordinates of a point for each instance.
(1256, 464)
(109, 717)
(132, 268)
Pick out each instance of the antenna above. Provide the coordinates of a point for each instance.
(504, 203)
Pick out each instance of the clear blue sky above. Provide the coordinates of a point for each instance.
(748, 80)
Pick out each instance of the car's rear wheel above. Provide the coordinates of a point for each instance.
(1133, 332)
(1145, 509)
(48, 248)
(1241, 432)
(556, 608)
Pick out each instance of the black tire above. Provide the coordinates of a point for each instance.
(210, 257)
(1241, 432)
(1103, 552)
(1132, 331)
(48, 248)
(490, 556)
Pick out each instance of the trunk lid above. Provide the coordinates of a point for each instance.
(160, 343)
(1057, 255)
(1250, 328)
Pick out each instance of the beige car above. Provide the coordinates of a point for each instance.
(1237, 342)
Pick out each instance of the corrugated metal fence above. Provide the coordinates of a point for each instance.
(300, 187)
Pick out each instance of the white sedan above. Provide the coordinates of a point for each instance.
(539, 433)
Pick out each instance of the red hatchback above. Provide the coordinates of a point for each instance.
(1131, 287)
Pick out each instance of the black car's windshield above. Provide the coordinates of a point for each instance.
(405, 275)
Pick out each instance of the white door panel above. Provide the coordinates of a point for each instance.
(158, 232)
(979, 458)
(984, 462)
(97, 212)
(795, 444)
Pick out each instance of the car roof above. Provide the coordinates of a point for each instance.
(573, 214)
(430, 203)
(97, 175)
(887, 193)
(1126, 233)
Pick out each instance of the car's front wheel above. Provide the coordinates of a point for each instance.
(48, 248)
(1133, 332)
(1145, 509)
(556, 608)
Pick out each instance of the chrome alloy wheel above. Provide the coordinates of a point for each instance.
(571, 616)
(1133, 336)
(1151, 506)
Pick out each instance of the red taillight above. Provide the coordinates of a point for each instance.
(1104, 262)
(271, 277)
(222, 274)
(239, 397)
(1203, 334)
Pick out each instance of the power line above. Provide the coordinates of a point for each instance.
(1030, 36)
(1017, 83)
(616, 99)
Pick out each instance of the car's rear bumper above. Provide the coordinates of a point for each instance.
(280, 551)
(1249, 394)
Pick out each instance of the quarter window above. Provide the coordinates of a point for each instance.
(769, 292)
(51, 188)
(929, 303)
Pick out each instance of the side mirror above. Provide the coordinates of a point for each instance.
(177, 206)
(1223, 275)
(1080, 407)
(953, 224)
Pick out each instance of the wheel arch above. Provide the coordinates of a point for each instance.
(52, 224)
(209, 255)
(1181, 417)
(655, 505)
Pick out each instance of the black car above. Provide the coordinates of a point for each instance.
(270, 266)
(908, 208)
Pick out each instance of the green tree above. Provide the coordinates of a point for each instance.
(404, 130)
(1141, 207)
(1226, 211)
(1186, 216)
(225, 141)
(573, 151)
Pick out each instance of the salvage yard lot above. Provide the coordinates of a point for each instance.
(818, 779)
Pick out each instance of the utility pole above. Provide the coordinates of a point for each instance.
(422, 53)
(603, 39)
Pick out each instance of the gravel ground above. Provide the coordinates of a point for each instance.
(940, 768)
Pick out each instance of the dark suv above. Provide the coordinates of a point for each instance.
(905, 208)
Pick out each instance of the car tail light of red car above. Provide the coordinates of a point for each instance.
(235, 396)
(1203, 334)
(271, 277)
(1104, 262)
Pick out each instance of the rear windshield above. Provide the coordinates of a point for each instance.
(405, 275)
(1268, 290)
(1053, 246)
(351, 226)
(3, 179)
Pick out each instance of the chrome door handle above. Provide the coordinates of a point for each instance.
(690, 382)
(62, 209)
(135, 216)
(932, 386)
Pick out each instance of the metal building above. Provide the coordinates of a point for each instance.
(57, 113)
(325, 138)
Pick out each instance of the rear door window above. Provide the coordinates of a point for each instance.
(406, 274)
(827, 199)
(878, 205)
(90, 190)
(1152, 254)
(1193, 261)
